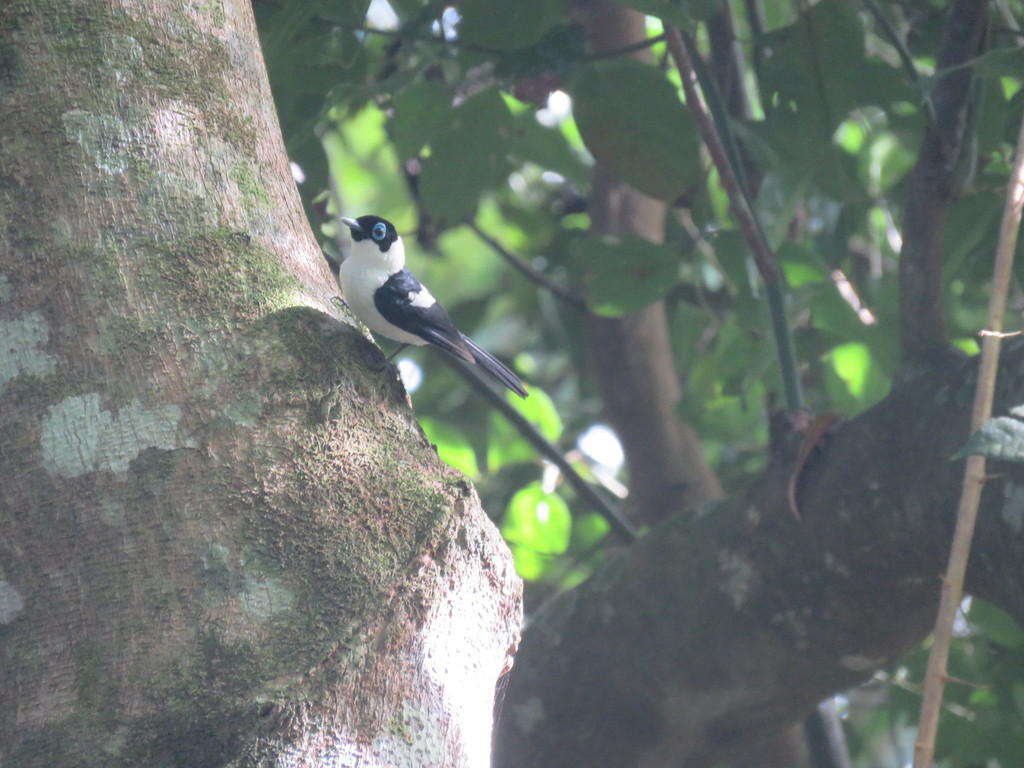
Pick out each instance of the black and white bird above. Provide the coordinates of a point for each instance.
(389, 299)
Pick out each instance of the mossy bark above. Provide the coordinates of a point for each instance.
(223, 537)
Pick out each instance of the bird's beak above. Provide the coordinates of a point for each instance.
(352, 224)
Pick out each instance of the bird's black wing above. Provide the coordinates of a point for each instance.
(400, 301)
(404, 302)
(495, 367)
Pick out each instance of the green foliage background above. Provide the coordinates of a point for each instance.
(428, 115)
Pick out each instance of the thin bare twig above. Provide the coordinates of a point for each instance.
(625, 50)
(591, 496)
(765, 259)
(456, 43)
(974, 472)
(565, 294)
(889, 33)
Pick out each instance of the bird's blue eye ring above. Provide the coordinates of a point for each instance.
(379, 231)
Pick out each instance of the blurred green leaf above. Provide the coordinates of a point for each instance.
(308, 62)
(556, 55)
(588, 530)
(801, 266)
(632, 120)
(673, 12)
(624, 274)
(733, 256)
(468, 158)
(995, 624)
(811, 63)
(547, 148)
(501, 26)
(420, 112)
(886, 162)
(972, 229)
(1001, 62)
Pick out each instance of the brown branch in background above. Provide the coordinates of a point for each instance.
(974, 472)
(683, 52)
(632, 356)
(767, 264)
(931, 185)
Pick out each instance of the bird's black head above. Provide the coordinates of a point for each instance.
(380, 231)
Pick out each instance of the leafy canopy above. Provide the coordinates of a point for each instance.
(490, 114)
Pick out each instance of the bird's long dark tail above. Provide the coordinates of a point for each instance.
(495, 367)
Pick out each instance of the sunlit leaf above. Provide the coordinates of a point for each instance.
(850, 136)
(452, 446)
(538, 521)
(852, 363)
(530, 565)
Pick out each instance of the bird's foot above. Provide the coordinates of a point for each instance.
(388, 362)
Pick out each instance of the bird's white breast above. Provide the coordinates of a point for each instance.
(362, 273)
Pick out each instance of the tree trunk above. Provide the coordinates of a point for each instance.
(223, 538)
(632, 356)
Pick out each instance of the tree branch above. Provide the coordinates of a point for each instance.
(974, 472)
(717, 630)
(767, 263)
(931, 185)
